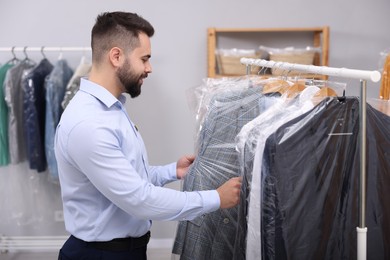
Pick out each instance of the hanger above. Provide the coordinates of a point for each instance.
(14, 59)
(61, 56)
(26, 58)
(43, 54)
(25, 53)
(295, 89)
(276, 85)
(323, 93)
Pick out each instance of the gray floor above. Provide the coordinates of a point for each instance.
(153, 254)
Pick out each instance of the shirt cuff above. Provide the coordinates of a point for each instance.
(172, 170)
(211, 200)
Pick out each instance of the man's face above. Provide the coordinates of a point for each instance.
(136, 67)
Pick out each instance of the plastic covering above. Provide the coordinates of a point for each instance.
(223, 108)
(380, 105)
(292, 55)
(289, 50)
(236, 52)
(30, 203)
(304, 182)
(250, 144)
(298, 153)
(203, 98)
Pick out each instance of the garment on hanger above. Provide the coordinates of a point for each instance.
(381, 105)
(310, 172)
(55, 86)
(4, 145)
(250, 144)
(73, 85)
(31, 115)
(211, 236)
(34, 107)
(13, 95)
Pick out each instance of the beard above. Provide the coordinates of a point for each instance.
(130, 80)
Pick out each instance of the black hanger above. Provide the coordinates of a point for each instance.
(14, 59)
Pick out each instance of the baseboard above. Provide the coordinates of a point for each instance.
(160, 243)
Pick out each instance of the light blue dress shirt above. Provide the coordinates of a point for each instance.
(108, 188)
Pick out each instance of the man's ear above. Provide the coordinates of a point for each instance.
(116, 57)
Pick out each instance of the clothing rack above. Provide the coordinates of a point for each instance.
(35, 243)
(363, 76)
(43, 49)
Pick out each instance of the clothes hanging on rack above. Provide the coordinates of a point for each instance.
(299, 159)
(250, 144)
(4, 154)
(14, 100)
(309, 177)
(211, 236)
(73, 85)
(55, 86)
(30, 201)
(33, 97)
(34, 108)
(363, 75)
(217, 160)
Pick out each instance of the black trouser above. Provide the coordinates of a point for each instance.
(118, 249)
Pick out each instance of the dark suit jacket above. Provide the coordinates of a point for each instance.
(34, 107)
(310, 185)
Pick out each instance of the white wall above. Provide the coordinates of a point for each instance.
(359, 31)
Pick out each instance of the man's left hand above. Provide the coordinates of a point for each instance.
(183, 164)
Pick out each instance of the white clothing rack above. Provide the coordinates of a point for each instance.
(35, 243)
(43, 49)
(374, 76)
(363, 75)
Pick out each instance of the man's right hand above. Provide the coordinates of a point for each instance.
(229, 193)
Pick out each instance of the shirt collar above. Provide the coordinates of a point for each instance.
(100, 93)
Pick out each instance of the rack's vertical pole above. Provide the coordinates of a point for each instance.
(248, 69)
(362, 230)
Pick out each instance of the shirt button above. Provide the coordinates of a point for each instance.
(226, 220)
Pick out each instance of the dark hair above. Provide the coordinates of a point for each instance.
(117, 29)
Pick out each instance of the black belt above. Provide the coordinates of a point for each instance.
(120, 244)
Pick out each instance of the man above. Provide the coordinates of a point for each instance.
(110, 193)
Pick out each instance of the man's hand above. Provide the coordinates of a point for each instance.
(183, 164)
(229, 192)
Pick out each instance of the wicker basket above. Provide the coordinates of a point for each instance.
(230, 64)
(305, 58)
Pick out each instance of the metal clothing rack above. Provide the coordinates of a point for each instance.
(33, 243)
(363, 76)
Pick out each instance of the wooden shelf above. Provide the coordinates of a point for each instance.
(314, 36)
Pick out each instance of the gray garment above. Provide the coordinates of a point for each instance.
(13, 93)
(74, 83)
(212, 236)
